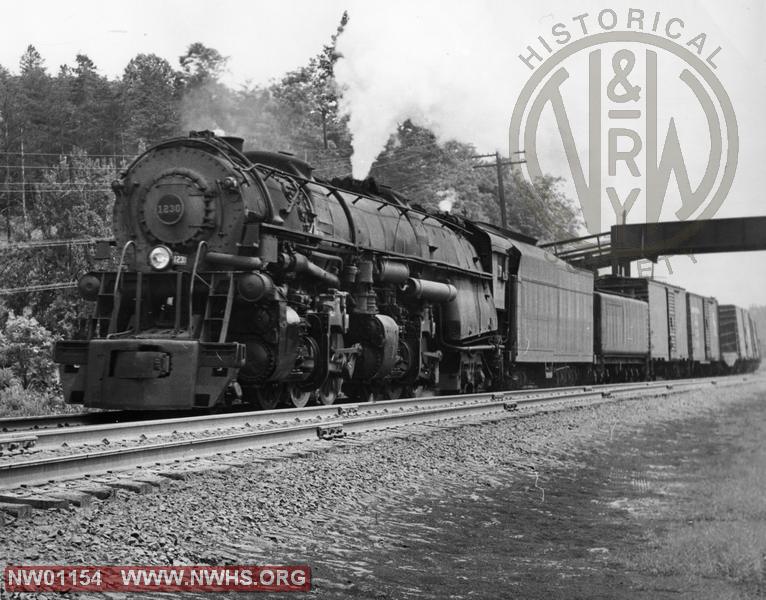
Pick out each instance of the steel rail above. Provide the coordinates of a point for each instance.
(31, 472)
(40, 422)
(108, 429)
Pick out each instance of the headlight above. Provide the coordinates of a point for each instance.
(159, 257)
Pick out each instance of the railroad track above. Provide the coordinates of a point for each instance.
(61, 421)
(210, 435)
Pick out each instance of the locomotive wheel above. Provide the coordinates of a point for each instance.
(393, 391)
(330, 389)
(366, 394)
(416, 391)
(267, 397)
(297, 397)
(360, 392)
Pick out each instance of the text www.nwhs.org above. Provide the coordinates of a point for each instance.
(239, 578)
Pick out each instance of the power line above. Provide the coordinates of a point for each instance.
(38, 288)
(65, 186)
(61, 166)
(51, 243)
(60, 154)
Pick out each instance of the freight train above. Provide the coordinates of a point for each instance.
(243, 278)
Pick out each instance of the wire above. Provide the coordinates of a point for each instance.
(38, 288)
(8, 153)
(62, 166)
(52, 243)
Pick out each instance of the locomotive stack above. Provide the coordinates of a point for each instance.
(242, 277)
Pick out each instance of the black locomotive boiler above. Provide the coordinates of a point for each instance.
(243, 277)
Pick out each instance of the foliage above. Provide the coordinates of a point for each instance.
(201, 65)
(427, 172)
(25, 349)
(72, 201)
(15, 401)
(64, 136)
(149, 95)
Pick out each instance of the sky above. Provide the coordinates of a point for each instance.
(450, 64)
(261, 39)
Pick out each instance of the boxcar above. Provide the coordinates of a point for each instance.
(738, 338)
(756, 340)
(749, 351)
(729, 334)
(621, 340)
(695, 322)
(712, 343)
(678, 335)
(669, 344)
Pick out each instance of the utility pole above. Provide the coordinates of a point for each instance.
(499, 164)
(23, 186)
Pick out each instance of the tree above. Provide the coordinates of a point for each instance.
(425, 171)
(201, 65)
(34, 115)
(324, 90)
(75, 202)
(91, 99)
(306, 101)
(207, 103)
(31, 62)
(150, 99)
(6, 116)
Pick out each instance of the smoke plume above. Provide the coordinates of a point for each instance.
(449, 66)
(447, 199)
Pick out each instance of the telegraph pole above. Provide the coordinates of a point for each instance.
(499, 164)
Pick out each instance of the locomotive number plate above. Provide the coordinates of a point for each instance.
(179, 259)
(170, 209)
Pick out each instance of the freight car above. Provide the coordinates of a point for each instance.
(739, 343)
(242, 277)
(668, 326)
(691, 335)
(621, 338)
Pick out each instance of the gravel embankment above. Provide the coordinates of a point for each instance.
(372, 515)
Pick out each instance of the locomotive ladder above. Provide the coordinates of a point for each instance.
(104, 319)
(215, 324)
(102, 314)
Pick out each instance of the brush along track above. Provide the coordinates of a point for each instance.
(268, 428)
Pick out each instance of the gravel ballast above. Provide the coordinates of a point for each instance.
(413, 512)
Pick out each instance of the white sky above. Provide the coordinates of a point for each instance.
(264, 39)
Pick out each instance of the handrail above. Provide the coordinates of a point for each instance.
(201, 245)
(127, 245)
(115, 291)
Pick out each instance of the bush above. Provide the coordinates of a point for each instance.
(19, 402)
(25, 351)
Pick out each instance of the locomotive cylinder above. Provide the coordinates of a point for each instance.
(429, 290)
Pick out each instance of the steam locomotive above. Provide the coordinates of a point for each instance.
(242, 277)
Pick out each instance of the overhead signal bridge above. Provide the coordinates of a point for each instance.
(626, 243)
